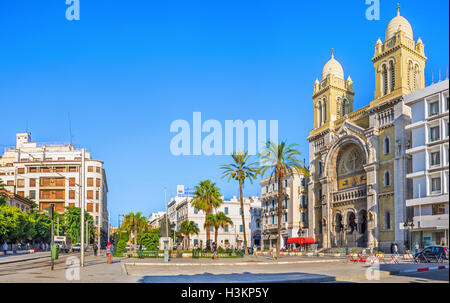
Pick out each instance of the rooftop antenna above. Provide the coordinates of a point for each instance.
(439, 75)
(70, 129)
(446, 73)
(332, 53)
(432, 78)
(398, 9)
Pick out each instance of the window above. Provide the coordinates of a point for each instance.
(285, 217)
(258, 224)
(273, 219)
(211, 228)
(387, 178)
(90, 181)
(273, 204)
(97, 169)
(97, 195)
(21, 193)
(20, 182)
(72, 169)
(32, 182)
(285, 183)
(434, 133)
(32, 194)
(319, 193)
(438, 209)
(226, 210)
(436, 184)
(240, 211)
(21, 170)
(435, 158)
(71, 194)
(303, 182)
(226, 228)
(387, 220)
(303, 201)
(320, 168)
(71, 181)
(303, 218)
(386, 145)
(97, 182)
(385, 80)
(241, 228)
(392, 73)
(195, 210)
(285, 203)
(32, 170)
(10, 183)
(433, 108)
(90, 194)
(90, 169)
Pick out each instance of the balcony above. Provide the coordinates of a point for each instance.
(348, 195)
(431, 221)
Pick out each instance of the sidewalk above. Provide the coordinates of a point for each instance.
(24, 257)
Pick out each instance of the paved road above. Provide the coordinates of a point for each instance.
(96, 270)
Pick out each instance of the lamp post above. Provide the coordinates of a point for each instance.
(409, 225)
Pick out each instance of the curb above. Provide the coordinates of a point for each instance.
(24, 260)
(421, 269)
(231, 264)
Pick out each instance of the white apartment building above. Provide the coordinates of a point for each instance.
(429, 174)
(232, 236)
(51, 174)
(154, 218)
(295, 210)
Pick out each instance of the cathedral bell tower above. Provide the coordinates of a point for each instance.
(333, 96)
(399, 62)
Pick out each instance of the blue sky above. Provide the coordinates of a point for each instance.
(127, 69)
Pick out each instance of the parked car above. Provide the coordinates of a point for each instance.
(432, 253)
(77, 247)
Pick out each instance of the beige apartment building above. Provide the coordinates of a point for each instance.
(295, 210)
(51, 174)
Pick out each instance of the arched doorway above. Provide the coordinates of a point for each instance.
(362, 222)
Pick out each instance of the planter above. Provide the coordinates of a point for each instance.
(336, 255)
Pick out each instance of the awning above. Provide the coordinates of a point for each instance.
(300, 240)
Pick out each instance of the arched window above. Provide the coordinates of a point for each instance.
(386, 145)
(319, 108)
(345, 107)
(387, 178)
(387, 220)
(416, 77)
(324, 111)
(384, 76)
(392, 72)
(411, 77)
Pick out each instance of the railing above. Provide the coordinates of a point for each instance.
(348, 195)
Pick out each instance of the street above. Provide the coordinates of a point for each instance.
(251, 269)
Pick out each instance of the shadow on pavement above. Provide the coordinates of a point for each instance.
(246, 277)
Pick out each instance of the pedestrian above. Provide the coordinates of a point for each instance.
(254, 249)
(274, 253)
(395, 249)
(109, 252)
(19, 246)
(5, 248)
(95, 248)
(215, 250)
(392, 248)
(416, 247)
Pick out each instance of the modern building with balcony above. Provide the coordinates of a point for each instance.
(52, 174)
(429, 173)
(231, 236)
(294, 214)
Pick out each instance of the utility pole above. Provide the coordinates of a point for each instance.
(52, 211)
(109, 225)
(82, 193)
(57, 230)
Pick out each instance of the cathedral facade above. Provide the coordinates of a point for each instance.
(358, 164)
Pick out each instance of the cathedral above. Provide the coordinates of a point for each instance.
(358, 164)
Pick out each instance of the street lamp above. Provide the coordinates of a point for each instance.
(409, 225)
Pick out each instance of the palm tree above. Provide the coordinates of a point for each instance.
(282, 160)
(189, 228)
(206, 198)
(240, 171)
(134, 223)
(219, 220)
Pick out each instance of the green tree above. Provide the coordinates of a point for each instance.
(41, 225)
(282, 162)
(134, 224)
(240, 170)
(73, 224)
(187, 229)
(2, 195)
(206, 198)
(151, 239)
(219, 220)
(15, 225)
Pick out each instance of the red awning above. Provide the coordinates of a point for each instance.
(300, 240)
